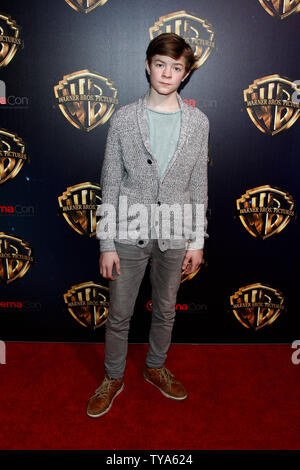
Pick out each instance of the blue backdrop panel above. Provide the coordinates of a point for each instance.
(248, 43)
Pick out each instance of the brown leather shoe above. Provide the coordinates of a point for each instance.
(101, 402)
(164, 380)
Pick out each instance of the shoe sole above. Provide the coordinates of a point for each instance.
(165, 393)
(110, 405)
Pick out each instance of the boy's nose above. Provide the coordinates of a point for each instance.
(167, 72)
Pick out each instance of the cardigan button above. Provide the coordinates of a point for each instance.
(149, 161)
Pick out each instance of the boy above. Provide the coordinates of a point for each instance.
(156, 153)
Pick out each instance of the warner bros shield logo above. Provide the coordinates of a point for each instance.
(10, 40)
(257, 305)
(12, 155)
(198, 33)
(281, 8)
(85, 6)
(269, 103)
(78, 204)
(88, 304)
(265, 210)
(86, 99)
(15, 258)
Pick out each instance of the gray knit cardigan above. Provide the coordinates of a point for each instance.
(129, 169)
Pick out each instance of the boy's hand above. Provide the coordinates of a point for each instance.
(106, 262)
(192, 260)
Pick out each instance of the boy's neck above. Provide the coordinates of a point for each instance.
(160, 102)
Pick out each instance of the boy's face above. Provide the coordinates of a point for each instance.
(166, 74)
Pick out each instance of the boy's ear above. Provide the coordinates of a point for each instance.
(147, 66)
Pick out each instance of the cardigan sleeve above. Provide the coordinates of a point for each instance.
(111, 176)
(198, 195)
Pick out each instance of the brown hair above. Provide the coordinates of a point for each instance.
(172, 45)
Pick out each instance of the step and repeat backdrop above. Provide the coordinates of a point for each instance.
(65, 67)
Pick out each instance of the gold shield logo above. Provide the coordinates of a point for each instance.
(78, 204)
(187, 277)
(269, 103)
(85, 6)
(10, 40)
(87, 303)
(86, 99)
(197, 33)
(281, 8)
(257, 305)
(12, 155)
(15, 258)
(265, 210)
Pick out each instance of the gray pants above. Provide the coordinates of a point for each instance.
(165, 281)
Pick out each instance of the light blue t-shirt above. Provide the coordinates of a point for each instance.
(164, 130)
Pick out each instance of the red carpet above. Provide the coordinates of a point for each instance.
(239, 397)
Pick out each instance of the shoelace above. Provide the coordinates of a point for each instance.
(104, 387)
(167, 376)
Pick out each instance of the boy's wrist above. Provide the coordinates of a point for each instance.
(107, 245)
(194, 245)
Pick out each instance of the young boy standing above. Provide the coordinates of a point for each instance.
(156, 155)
